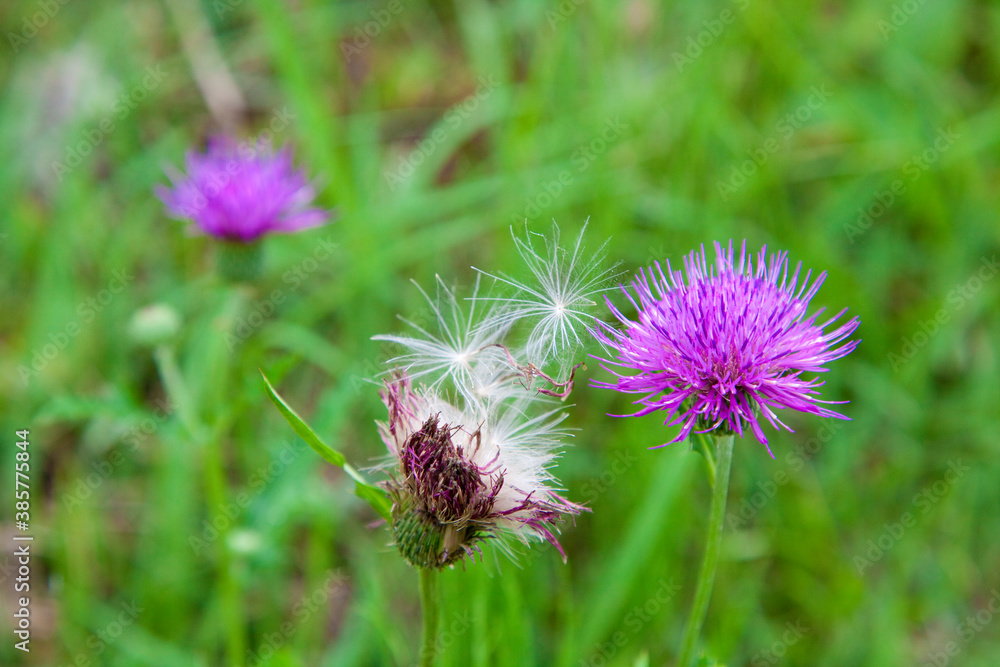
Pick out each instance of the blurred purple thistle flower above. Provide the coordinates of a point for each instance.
(240, 192)
(726, 347)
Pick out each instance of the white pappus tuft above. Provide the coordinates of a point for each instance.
(471, 429)
(564, 288)
(453, 348)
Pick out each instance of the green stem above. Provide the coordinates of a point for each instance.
(232, 604)
(239, 262)
(705, 447)
(706, 577)
(215, 494)
(430, 601)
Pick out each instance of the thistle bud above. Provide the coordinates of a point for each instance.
(154, 325)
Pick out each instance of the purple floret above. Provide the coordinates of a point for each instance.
(729, 345)
(448, 494)
(240, 193)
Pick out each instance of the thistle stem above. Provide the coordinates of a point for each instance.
(430, 601)
(705, 447)
(706, 576)
(215, 495)
(239, 262)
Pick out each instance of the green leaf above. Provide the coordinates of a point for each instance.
(370, 493)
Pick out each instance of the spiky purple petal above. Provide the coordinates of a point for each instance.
(726, 344)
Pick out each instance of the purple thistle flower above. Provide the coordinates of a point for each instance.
(726, 347)
(242, 192)
(461, 476)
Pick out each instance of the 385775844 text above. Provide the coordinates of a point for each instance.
(22, 551)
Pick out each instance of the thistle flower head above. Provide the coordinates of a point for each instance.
(730, 344)
(563, 290)
(463, 475)
(475, 466)
(240, 193)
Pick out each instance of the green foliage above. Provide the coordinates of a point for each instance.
(862, 137)
(373, 495)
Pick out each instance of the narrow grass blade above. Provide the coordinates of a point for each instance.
(371, 494)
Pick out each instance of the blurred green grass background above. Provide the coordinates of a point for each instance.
(809, 126)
